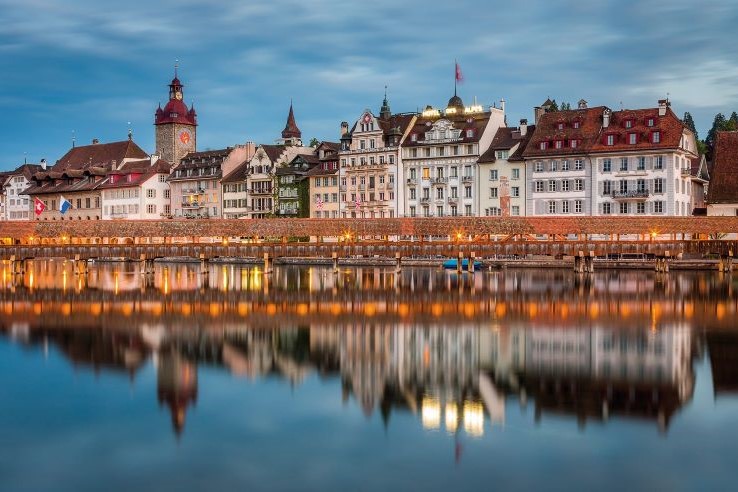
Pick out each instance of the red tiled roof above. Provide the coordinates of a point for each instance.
(724, 177)
(139, 171)
(505, 139)
(669, 126)
(547, 130)
(238, 174)
(99, 155)
(273, 151)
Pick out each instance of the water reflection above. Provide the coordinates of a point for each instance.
(456, 352)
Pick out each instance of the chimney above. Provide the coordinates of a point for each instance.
(538, 112)
(250, 150)
(582, 104)
(502, 105)
(663, 104)
(95, 141)
(606, 118)
(523, 127)
(43, 164)
(344, 128)
(153, 158)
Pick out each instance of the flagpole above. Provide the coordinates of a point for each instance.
(456, 64)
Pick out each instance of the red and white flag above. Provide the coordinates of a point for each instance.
(319, 203)
(459, 75)
(358, 201)
(38, 206)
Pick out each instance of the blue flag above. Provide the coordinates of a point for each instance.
(64, 205)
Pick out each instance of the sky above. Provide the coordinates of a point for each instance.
(86, 68)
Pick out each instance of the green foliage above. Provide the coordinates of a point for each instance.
(303, 197)
(553, 106)
(565, 106)
(689, 123)
(314, 142)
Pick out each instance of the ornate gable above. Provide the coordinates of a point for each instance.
(442, 129)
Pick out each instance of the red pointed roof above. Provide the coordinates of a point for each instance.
(176, 110)
(290, 129)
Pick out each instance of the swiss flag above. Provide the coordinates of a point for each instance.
(38, 206)
(459, 75)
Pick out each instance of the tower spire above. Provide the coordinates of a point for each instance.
(176, 66)
(291, 131)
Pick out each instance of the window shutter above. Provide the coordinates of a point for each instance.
(539, 207)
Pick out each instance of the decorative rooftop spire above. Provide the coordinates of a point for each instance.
(290, 129)
(385, 113)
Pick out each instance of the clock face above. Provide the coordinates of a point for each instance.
(185, 137)
(178, 95)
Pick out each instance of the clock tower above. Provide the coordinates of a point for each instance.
(176, 126)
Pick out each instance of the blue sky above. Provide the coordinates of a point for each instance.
(91, 66)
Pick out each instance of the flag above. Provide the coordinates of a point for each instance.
(319, 203)
(459, 75)
(38, 206)
(358, 201)
(64, 205)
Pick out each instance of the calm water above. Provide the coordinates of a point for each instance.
(367, 381)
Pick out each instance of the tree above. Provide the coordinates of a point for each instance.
(565, 106)
(314, 142)
(732, 124)
(689, 123)
(718, 124)
(554, 106)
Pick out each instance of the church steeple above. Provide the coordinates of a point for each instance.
(384, 112)
(291, 135)
(175, 124)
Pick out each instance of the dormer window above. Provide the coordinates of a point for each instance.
(544, 145)
(560, 126)
(628, 123)
(469, 133)
(632, 138)
(650, 122)
(576, 124)
(656, 137)
(609, 139)
(558, 144)
(413, 137)
(574, 143)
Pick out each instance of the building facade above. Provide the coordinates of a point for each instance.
(595, 161)
(323, 181)
(16, 204)
(370, 170)
(137, 190)
(292, 186)
(502, 172)
(722, 195)
(440, 159)
(77, 177)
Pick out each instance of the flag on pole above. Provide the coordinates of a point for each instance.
(64, 205)
(459, 75)
(38, 206)
(358, 201)
(319, 203)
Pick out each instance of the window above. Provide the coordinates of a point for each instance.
(150, 193)
(624, 208)
(412, 194)
(151, 208)
(628, 123)
(493, 174)
(564, 207)
(658, 162)
(492, 192)
(544, 145)
(574, 143)
(560, 126)
(640, 208)
(426, 173)
(552, 207)
(578, 165)
(578, 185)
(454, 172)
(578, 206)
(565, 185)
(658, 207)
(539, 186)
(623, 163)
(558, 144)
(454, 192)
(515, 210)
(552, 166)
(656, 137)
(516, 174)
(317, 182)
(606, 188)
(649, 122)
(441, 151)
(469, 133)
(467, 192)
(467, 210)
(515, 191)
(539, 167)
(427, 151)
(439, 193)
(564, 165)
(623, 186)
(362, 144)
(552, 185)
(606, 166)
(641, 164)
(87, 203)
(658, 185)
(641, 185)
(167, 194)
(610, 140)
(503, 154)
(632, 138)
(606, 208)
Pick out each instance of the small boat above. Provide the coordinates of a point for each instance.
(452, 264)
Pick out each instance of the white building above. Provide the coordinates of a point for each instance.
(440, 158)
(137, 190)
(17, 205)
(502, 172)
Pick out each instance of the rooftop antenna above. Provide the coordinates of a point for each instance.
(25, 157)
(667, 97)
(621, 105)
(130, 131)
(176, 66)
(73, 139)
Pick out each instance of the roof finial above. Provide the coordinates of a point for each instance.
(130, 131)
(73, 139)
(176, 66)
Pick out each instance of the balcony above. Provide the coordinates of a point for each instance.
(362, 187)
(467, 179)
(390, 186)
(686, 172)
(261, 191)
(453, 200)
(439, 180)
(412, 181)
(640, 194)
(425, 199)
(287, 211)
(119, 215)
(193, 191)
(192, 205)
(342, 188)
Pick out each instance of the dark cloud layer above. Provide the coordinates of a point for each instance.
(90, 67)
